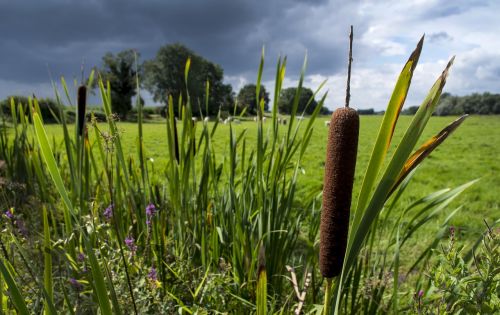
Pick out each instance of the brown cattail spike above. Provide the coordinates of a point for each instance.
(82, 104)
(337, 189)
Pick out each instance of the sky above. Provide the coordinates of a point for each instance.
(51, 38)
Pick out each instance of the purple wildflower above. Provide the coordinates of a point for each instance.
(9, 214)
(420, 294)
(153, 275)
(130, 242)
(75, 284)
(150, 212)
(81, 256)
(108, 213)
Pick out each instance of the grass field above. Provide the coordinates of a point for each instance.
(471, 152)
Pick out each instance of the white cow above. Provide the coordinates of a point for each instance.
(327, 123)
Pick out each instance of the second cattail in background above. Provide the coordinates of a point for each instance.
(81, 108)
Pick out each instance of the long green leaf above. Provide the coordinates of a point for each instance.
(98, 280)
(386, 131)
(15, 294)
(48, 156)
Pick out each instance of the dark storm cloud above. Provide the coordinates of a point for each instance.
(231, 33)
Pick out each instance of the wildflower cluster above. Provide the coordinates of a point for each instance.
(150, 212)
(108, 213)
(130, 242)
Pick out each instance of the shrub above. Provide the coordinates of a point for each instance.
(465, 284)
(49, 108)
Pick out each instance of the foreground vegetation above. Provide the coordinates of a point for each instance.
(208, 217)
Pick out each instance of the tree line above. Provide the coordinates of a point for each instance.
(476, 104)
(163, 77)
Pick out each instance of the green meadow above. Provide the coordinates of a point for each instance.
(471, 152)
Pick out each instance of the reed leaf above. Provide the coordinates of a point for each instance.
(386, 131)
(48, 156)
(15, 294)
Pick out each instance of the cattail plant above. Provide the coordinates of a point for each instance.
(82, 104)
(338, 182)
(340, 165)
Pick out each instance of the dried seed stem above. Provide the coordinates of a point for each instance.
(348, 89)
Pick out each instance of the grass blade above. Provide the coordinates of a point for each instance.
(98, 281)
(48, 156)
(15, 294)
(47, 254)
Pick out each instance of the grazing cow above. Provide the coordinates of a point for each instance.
(327, 123)
(206, 119)
(256, 118)
(283, 121)
(300, 117)
(194, 119)
(264, 119)
(236, 121)
(221, 120)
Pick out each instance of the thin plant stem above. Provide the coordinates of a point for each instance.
(328, 292)
(348, 89)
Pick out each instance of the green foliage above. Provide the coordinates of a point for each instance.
(163, 78)
(121, 73)
(480, 104)
(461, 285)
(307, 103)
(246, 99)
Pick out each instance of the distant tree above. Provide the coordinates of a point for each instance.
(481, 104)
(410, 110)
(325, 111)
(286, 101)
(246, 98)
(120, 71)
(49, 108)
(164, 76)
(369, 111)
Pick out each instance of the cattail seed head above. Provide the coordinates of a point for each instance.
(337, 189)
(81, 107)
